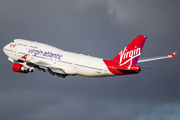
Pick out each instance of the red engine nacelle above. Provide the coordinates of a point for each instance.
(20, 68)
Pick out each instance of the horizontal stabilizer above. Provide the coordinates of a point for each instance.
(157, 58)
(132, 68)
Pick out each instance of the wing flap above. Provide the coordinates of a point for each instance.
(57, 70)
(41, 65)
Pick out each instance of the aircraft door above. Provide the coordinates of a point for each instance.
(74, 64)
(105, 71)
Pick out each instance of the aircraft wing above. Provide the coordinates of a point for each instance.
(157, 58)
(44, 66)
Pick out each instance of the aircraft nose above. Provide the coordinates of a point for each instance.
(6, 48)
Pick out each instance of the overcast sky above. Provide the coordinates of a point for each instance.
(100, 28)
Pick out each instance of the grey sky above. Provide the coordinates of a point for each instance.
(100, 28)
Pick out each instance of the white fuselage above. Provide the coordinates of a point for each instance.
(34, 55)
(48, 56)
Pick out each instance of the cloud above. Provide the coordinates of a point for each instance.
(155, 16)
(119, 14)
(160, 112)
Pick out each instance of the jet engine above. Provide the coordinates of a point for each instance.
(20, 68)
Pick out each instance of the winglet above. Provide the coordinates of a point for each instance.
(172, 54)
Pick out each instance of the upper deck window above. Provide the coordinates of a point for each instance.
(34, 47)
(22, 44)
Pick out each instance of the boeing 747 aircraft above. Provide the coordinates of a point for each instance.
(29, 55)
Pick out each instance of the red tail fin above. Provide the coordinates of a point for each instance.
(130, 54)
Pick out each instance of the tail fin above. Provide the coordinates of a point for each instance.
(130, 54)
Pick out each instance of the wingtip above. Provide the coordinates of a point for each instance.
(143, 36)
(172, 54)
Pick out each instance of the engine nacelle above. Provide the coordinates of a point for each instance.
(20, 68)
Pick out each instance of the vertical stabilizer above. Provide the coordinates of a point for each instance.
(130, 54)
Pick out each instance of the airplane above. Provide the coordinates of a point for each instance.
(29, 55)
